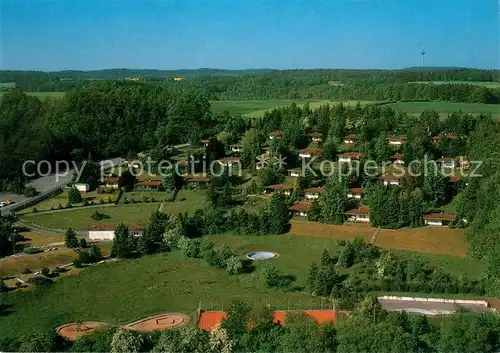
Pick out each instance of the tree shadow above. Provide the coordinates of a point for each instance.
(6, 309)
(248, 266)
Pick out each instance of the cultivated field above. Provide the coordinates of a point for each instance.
(444, 108)
(43, 95)
(257, 108)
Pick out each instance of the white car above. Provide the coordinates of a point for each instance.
(2, 204)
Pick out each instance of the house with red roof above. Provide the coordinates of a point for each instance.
(107, 231)
(349, 157)
(195, 181)
(309, 152)
(148, 185)
(300, 208)
(294, 172)
(316, 136)
(356, 193)
(398, 158)
(276, 134)
(350, 139)
(313, 193)
(284, 189)
(390, 179)
(360, 214)
(395, 140)
(111, 182)
(439, 218)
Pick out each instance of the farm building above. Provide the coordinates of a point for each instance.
(313, 193)
(196, 181)
(285, 189)
(82, 187)
(350, 139)
(275, 134)
(294, 172)
(316, 136)
(439, 219)
(309, 152)
(236, 148)
(398, 158)
(390, 179)
(111, 182)
(300, 208)
(396, 140)
(349, 156)
(361, 214)
(148, 185)
(107, 231)
(356, 193)
(446, 162)
(208, 320)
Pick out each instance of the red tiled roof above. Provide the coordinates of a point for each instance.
(196, 179)
(111, 180)
(357, 191)
(149, 183)
(280, 187)
(351, 137)
(314, 190)
(276, 133)
(454, 180)
(435, 216)
(310, 150)
(360, 210)
(398, 156)
(301, 206)
(351, 154)
(110, 226)
(209, 319)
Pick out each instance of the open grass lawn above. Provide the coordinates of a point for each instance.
(302, 227)
(80, 219)
(33, 238)
(126, 290)
(434, 240)
(139, 196)
(186, 201)
(62, 199)
(444, 108)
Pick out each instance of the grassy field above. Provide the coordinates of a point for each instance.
(173, 283)
(258, 107)
(476, 83)
(62, 199)
(80, 219)
(444, 108)
(43, 95)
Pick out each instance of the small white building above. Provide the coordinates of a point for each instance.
(396, 140)
(313, 193)
(439, 219)
(361, 214)
(316, 136)
(350, 139)
(388, 179)
(349, 157)
(448, 162)
(309, 152)
(275, 134)
(106, 232)
(294, 172)
(82, 187)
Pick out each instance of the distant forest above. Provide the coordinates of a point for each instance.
(214, 84)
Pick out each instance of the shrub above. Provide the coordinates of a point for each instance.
(101, 201)
(182, 244)
(77, 263)
(171, 238)
(341, 242)
(85, 202)
(83, 243)
(32, 249)
(234, 265)
(99, 216)
(270, 275)
(74, 196)
(96, 253)
(34, 210)
(69, 205)
(45, 271)
(40, 281)
(60, 207)
(125, 200)
(109, 199)
(26, 271)
(30, 191)
(84, 257)
(193, 248)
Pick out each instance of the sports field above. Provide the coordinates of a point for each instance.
(444, 108)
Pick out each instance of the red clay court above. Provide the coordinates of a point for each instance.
(210, 319)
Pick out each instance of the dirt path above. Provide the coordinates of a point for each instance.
(374, 236)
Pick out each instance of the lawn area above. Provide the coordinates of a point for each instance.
(187, 201)
(348, 231)
(257, 108)
(444, 108)
(79, 219)
(62, 199)
(34, 262)
(129, 289)
(140, 196)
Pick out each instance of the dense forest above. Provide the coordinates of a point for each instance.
(384, 85)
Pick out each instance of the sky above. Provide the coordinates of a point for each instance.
(279, 34)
